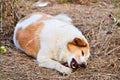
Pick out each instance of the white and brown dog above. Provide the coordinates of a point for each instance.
(52, 40)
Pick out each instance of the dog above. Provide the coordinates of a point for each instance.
(52, 41)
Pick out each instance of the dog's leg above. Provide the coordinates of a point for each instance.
(49, 63)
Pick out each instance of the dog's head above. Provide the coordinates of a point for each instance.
(78, 53)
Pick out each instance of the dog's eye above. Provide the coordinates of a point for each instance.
(82, 53)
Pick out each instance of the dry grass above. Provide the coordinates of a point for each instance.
(98, 22)
(8, 17)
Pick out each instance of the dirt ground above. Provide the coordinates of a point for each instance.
(100, 24)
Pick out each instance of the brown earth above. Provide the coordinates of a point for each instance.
(99, 22)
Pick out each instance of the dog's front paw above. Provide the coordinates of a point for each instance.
(66, 70)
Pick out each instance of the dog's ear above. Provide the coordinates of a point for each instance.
(79, 42)
(75, 44)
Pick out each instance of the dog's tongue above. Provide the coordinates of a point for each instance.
(74, 64)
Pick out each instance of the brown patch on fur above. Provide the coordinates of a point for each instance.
(84, 49)
(77, 46)
(28, 38)
(79, 42)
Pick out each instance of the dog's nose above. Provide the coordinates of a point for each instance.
(83, 65)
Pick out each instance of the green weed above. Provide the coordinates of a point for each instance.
(62, 1)
(15, 1)
(115, 3)
(118, 14)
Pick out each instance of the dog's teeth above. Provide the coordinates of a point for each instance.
(73, 65)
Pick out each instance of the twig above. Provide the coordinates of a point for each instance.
(112, 50)
(106, 43)
(115, 20)
(112, 17)
(1, 30)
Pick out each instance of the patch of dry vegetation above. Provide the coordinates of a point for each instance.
(8, 17)
(99, 22)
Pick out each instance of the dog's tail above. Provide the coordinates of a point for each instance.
(63, 17)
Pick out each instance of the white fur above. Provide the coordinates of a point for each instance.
(33, 18)
(55, 35)
(63, 17)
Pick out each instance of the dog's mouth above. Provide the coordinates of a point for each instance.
(74, 65)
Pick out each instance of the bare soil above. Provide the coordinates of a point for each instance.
(100, 24)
